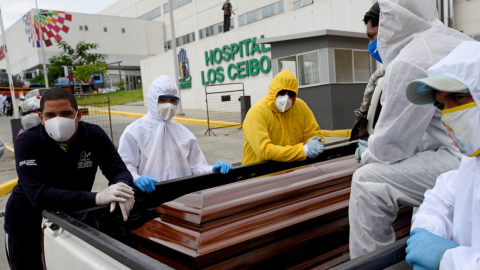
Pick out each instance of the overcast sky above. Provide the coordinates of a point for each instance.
(13, 10)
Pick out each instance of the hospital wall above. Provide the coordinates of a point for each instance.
(467, 16)
(326, 14)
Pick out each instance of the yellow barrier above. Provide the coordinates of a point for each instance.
(7, 187)
(202, 122)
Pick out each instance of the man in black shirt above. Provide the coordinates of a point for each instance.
(227, 13)
(56, 166)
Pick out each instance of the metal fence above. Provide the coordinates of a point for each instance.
(96, 110)
(224, 108)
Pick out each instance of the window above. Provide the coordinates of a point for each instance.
(476, 37)
(175, 4)
(123, 30)
(214, 29)
(361, 66)
(352, 66)
(86, 28)
(189, 38)
(301, 3)
(261, 13)
(104, 29)
(343, 66)
(288, 63)
(81, 28)
(151, 14)
(309, 69)
(168, 45)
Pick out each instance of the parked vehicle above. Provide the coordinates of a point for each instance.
(97, 239)
(31, 96)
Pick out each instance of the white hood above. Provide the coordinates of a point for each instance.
(411, 39)
(463, 64)
(162, 86)
(400, 20)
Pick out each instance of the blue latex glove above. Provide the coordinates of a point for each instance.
(419, 267)
(362, 147)
(426, 249)
(222, 167)
(145, 183)
(315, 147)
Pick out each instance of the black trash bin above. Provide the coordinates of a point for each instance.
(245, 106)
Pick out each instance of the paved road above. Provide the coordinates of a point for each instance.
(228, 148)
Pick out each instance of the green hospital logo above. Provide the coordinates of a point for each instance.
(184, 66)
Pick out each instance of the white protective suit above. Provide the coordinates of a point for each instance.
(410, 147)
(159, 149)
(452, 208)
(30, 120)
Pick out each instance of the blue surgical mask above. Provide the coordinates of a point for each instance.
(372, 48)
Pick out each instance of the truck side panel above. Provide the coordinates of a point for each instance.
(66, 251)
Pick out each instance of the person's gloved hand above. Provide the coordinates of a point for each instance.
(145, 183)
(419, 267)
(222, 167)
(125, 207)
(362, 147)
(426, 249)
(315, 147)
(119, 192)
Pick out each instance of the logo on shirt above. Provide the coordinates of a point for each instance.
(84, 161)
(28, 162)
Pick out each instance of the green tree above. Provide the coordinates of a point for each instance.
(84, 72)
(40, 79)
(73, 57)
(120, 84)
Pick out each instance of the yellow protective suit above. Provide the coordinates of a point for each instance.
(272, 135)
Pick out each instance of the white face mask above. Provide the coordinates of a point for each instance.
(463, 126)
(167, 111)
(283, 103)
(61, 129)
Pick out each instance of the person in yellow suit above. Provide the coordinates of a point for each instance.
(280, 126)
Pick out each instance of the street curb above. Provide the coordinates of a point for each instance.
(7, 187)
(202, 122)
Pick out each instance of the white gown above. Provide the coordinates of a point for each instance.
(159, 149)
(452, 210)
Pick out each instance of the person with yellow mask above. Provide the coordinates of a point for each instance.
(446, 229)
(281, 127)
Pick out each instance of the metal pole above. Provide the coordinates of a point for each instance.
(9, 70)
(175, 58)
(41, 46)
(119, 73)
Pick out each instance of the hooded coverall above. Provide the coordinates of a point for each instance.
(410, 147)
(452, 208)
(159, 149)
(272, 135)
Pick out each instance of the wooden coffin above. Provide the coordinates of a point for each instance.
(291, 219)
